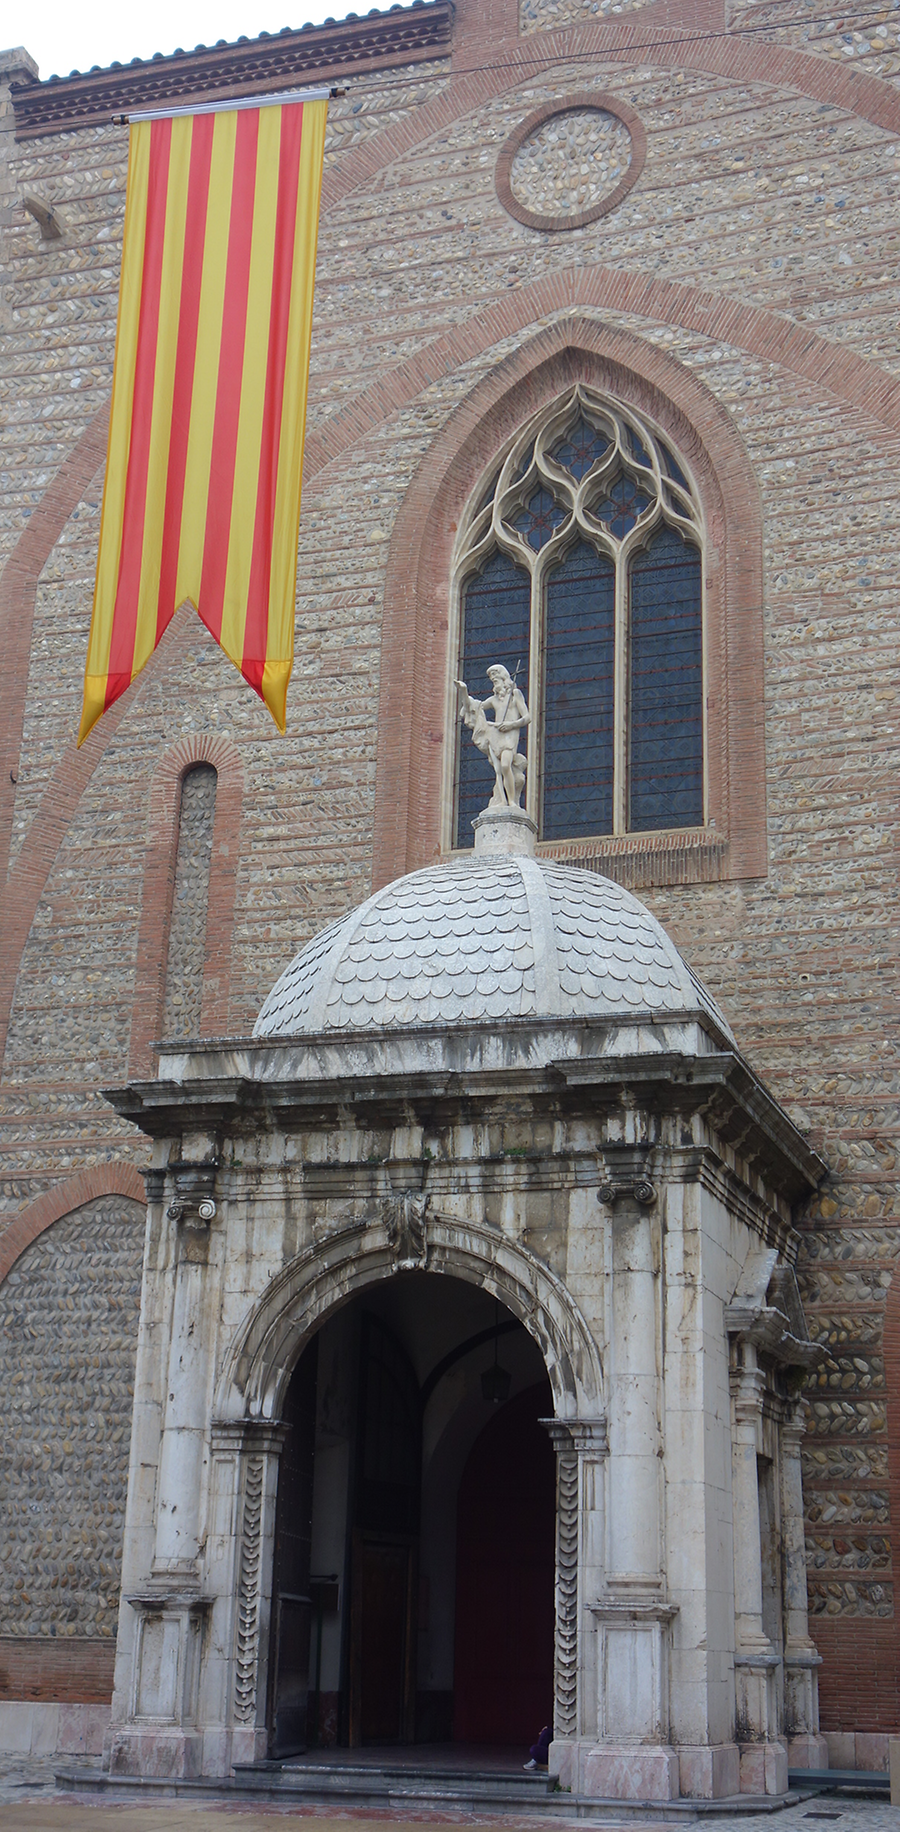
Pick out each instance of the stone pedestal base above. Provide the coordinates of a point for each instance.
(807, 1751)
(638, 1772)
(250, 1745)
(764, 1768)
(562, 1762)
(171, 1755)
(709, 1771)
(507, 830)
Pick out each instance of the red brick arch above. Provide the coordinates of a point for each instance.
(18, 589)
(156, 899)
(704, 47)
(63, 1199)
(770, 336)
(617, 363)
(21, 894)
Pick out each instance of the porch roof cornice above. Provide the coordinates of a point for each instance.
(239, 1087)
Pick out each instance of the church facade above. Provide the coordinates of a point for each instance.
(523, 1255)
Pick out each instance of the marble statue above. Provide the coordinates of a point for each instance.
(498, 738)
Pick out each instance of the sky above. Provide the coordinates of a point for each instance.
(64, 35)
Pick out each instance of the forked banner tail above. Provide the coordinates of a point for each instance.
(202, 493)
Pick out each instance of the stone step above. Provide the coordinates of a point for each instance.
(469, 1790)
(831, 1780)
(359, 1786)
(387, 1780)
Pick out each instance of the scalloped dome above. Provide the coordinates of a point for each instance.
(488, 937)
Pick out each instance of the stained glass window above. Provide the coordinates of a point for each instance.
(638, 449)
(614, 681)
(540, 518)
(674, 470)
(496, 621)
(665, 776)
(578, 696)
(621, 508)
(580, 449)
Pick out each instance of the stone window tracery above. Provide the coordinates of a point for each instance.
(579, 568)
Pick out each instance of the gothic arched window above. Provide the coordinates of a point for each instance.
(579, 568)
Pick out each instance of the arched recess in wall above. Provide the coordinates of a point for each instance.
(71, 1193)
(637, 373)
(69, 1309)
(183, 970)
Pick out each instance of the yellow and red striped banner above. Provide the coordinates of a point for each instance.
(202, 493)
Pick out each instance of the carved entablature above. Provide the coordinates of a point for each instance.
(767, 1313)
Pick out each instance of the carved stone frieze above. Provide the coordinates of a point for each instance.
(565, 1715)
(247, 1650)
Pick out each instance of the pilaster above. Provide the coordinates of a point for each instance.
(756, 1660)
(581, 1451)
(806, 1747)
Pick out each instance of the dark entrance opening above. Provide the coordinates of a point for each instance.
(384, 1563)
(505, 1527)
(414, 1545)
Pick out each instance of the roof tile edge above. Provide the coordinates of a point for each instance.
(406, 35)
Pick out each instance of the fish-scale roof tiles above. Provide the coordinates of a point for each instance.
(484, 938)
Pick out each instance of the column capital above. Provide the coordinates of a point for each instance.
(585, 1437)
(748, 1388)
(793, 1427)
(248, 1436)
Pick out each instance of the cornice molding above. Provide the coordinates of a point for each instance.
(263, 65)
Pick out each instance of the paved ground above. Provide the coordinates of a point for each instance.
(31, 1802)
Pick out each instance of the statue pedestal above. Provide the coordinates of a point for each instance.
(508, 830)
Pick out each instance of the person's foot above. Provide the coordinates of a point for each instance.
(531, 1764)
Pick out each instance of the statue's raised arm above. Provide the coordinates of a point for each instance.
(467, 708)
(498, 739)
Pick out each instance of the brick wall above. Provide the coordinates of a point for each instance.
(76, 1672)
(753, 265)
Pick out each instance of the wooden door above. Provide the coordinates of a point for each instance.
(381, 1663)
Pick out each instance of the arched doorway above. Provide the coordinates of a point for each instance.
(395, 1440)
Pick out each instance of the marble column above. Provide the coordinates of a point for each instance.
(633, 1539)
(632, 1758)
(161, 1734)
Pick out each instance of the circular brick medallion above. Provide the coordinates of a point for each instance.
(570, 163)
